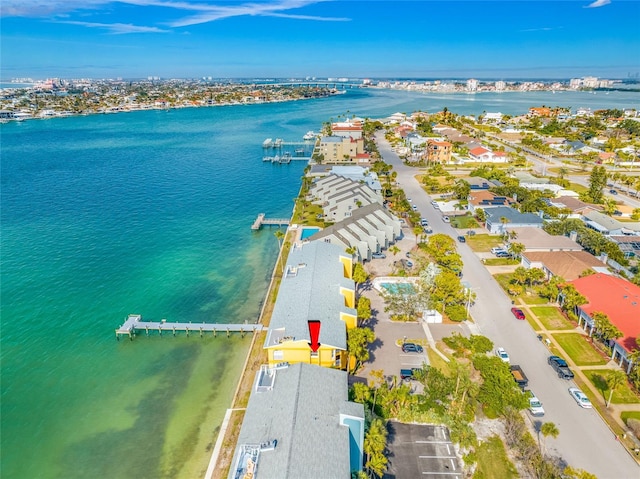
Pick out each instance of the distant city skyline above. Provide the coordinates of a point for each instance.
(310, 38)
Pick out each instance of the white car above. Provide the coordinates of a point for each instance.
(535, 406)
(502, 354)
(580, 397)
(446, 219)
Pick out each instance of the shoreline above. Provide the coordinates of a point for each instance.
(226, 441)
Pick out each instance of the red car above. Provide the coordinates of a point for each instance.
(518, 313)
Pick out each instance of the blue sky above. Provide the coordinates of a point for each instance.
(297, 38)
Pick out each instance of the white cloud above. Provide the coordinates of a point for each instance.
(118, 28)
(598, 3)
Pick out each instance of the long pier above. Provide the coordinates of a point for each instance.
(134, 323)
(263, 220)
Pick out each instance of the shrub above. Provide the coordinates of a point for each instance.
(456, 312)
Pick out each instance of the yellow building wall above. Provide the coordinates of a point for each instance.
(350, 320)
(299, 352)
(349, 297)
(347, 262)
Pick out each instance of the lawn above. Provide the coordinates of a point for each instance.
(622, 395)
(578, 188)
(551, 317)
(493, 461)
(436, 361)
(579, 349)
(462, 222)
(484, 242)
(630, 415)
(500, 261)
(503, 280)
(533, 299)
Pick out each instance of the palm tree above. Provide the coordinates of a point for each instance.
(615, 379)
(417, 230)
(549, 429)
(279, 236)
(504, 220)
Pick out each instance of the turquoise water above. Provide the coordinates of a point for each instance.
(308, 232)
(149, 213)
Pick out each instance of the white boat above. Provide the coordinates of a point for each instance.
(278, 143)
(310, 135)
(267, 143)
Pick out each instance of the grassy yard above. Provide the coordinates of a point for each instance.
(579, 349)
(622, 395)
(551, 317)
(532, 299)
(493, 461)
(503, 280)
(463, 222)
(501, 261)
(630, 415)
(578, 188)
(436, 361)
(484, 242)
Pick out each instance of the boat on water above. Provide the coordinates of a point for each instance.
(310, 135)
(299, 151)
(268, 143)
(278, 143)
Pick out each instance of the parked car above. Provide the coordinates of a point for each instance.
(498, 249)
(414, 207)
(518, 313)
(613, 192)
(580, 397)
(424, 222)
(427, 230)
(471, 233)
(535, 406)
(435, 205)
(409, 264)
(560, 366)
(408, 254)
(446, 219)
(503, 254)
(502, 354)
(434, 202)
(411, 348)
(408, 373)
(409, 200)
(462, 239)
(378, 255)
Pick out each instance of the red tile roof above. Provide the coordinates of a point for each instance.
(478, 151)
(617, 298)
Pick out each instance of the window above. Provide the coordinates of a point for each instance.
(278, 355)
(314, 355)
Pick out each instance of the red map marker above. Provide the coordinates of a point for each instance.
(314, 334)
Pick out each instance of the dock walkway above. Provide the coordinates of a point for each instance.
(134, 323)
(263, 220)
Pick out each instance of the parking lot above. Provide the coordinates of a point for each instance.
(418, 450)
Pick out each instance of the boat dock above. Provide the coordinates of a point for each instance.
(134, 323)
(279, 143)
(263, 220)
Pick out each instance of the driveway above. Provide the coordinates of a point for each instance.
(585, 441)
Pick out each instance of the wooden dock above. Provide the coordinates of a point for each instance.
(263, 220)
(134, 323)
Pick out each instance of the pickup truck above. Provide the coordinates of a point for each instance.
(561, 367)
(519, 376)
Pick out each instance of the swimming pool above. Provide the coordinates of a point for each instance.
(308, 231)
(399, 288)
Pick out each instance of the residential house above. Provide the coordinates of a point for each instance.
(480, 154)
(540, 111)
(370, 229)
(619, 299)
(477, 183)
(438, 151)
(503, 217)
(538, 240)
(316, 286)
(574, 205)
(568, 265)
(609, 226)
(629, 245)
(299, 423)
(487, 199)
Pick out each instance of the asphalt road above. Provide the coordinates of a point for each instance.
(585, 441)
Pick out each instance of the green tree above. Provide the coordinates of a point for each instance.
(571, 298)
(375, 443)
(481, 215)
(516, 249)
(605, 329)
(358, 341)
(498, 390)
(549, 429)
(597, 181)
(551, 288)
(360, 393)
(359, 275)
(364, 309)
(615, 379)
(461, 189)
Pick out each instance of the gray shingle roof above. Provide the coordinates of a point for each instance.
(302, 412)
(514, 216)
(310, 290)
